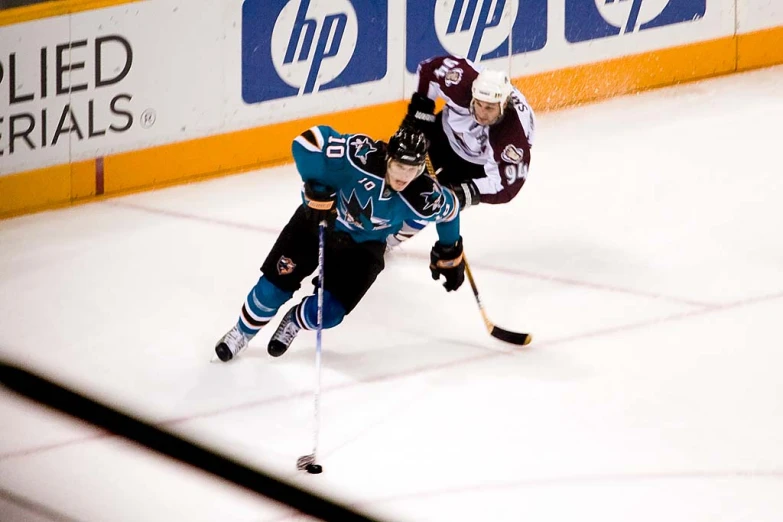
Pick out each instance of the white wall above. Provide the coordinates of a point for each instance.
(754, 15)
(187, 77)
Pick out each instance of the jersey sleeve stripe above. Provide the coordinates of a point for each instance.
(301, 140)
(319, 137)
(452, 215)
(310, 137)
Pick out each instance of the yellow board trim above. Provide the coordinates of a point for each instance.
(591, 82)
(261, 147)
(760, 48)
(18, 15)
(237, 151)
(45, 188)
(35, 189)
(82, 180)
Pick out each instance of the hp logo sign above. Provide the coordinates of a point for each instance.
(309, 51)
(475, 25)
(476, 29)
(299, 47)
(592, 19)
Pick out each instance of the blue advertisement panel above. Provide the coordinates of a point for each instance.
(298, 47)
(475, 29)
(592, 19)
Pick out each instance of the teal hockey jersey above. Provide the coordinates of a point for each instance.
(367, 209)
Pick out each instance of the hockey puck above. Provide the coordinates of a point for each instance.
(314, 469)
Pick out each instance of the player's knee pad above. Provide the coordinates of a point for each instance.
(267, 296)
(333, 312)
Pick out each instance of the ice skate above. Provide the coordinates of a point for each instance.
(284, 335)
(231, 344)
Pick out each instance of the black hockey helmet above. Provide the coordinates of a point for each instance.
(408, 146)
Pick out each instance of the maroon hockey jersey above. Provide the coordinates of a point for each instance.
(502, 148)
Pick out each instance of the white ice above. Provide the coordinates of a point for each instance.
(644, 254)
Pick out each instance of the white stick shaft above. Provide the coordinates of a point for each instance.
(319, 335)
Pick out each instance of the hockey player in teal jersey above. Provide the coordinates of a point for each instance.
(365, 190)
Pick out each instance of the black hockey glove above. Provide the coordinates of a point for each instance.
(467, 194)
(420, 113)
(320, 202)
(448, 262)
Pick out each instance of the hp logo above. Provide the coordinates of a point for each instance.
(476, 29)
(592, 19)
(299, 47)
(309, 51)
(475, 25)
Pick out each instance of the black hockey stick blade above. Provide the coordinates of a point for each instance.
(517, 338)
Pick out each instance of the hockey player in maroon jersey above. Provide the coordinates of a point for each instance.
(480, 142)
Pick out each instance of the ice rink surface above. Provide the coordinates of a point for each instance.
(645, 254)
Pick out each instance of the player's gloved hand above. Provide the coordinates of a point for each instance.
(421, 113)
(319, 202)
(447, 260)
(467, 194)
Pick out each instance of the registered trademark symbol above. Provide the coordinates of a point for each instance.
(147, 118)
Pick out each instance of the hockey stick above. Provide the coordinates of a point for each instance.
(508, 336)
(307, 462)
(518, 338)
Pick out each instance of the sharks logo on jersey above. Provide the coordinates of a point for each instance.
(425, 197)
(361, 147)
(433, 199)
(367, 154)
(354, 214)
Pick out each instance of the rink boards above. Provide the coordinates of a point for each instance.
(103, 97)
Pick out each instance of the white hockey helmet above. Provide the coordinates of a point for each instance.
(492, 87)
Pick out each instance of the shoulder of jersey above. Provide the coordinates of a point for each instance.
(458, 62)
(366, 154)
(314, 138)
(458, 80)
(511, 137)
(424, 196)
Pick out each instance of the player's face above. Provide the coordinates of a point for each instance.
(485, 113)
(399, 175)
